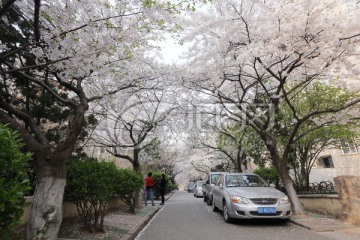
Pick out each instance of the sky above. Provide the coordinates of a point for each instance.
(171, 51)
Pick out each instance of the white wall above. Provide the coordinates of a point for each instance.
(344, 164)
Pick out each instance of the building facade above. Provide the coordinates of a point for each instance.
(335, 161)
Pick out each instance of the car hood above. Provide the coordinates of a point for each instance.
(256, 192)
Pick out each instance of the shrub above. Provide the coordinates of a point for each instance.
(128, 184)
(270, 174)
(89, 184)
(169, 185)
(14, 182)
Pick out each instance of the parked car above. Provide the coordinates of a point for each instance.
(190, 187)
(198, 188)
(207, 188)
(247, 195)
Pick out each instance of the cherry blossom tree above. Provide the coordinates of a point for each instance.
(57, 59)
(159, 156)
(242, 146)
(129, 126)
(245, 53)
(5, 5)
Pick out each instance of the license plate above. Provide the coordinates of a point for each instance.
(266, 210)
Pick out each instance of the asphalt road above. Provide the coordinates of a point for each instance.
(185, 217)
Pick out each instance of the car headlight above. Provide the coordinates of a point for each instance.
(284, 200)
(239, 200)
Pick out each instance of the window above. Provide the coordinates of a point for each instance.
(199, 184)
(214, 178)
(245, 181)
(219, 180)
(328, 163)
(348, 146)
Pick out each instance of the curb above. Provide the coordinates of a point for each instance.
(299, 224)
(138, 229)
(321, 224)
(133, 234)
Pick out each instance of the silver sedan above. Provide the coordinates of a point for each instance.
(246, 195)
(198, 189)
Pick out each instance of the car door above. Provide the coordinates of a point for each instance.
(217, 191)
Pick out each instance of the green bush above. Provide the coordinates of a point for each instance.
(169, 185)
(270, 174)
(128, 184)
(14, 181)
(157, 177)
(89, 184)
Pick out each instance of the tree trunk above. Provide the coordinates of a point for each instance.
(136, 164)
(289, 187)
(281, 166)
(238, 162)
(46, 211)
(138, 203)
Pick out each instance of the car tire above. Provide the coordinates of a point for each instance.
(214, 208)
(208, 200)
(283, 220)
(227, 218)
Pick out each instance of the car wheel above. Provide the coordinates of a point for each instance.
(214, 208)
(208, 200)
(227, 218)
(283, 220)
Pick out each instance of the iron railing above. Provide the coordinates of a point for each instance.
(323, 187)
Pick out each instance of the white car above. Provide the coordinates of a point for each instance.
(198, 189)
(246, 196)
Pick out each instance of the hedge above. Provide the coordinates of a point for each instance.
(14, 182)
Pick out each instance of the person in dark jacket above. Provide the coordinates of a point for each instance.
(162, 188)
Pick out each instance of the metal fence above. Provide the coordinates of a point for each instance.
(323, 187)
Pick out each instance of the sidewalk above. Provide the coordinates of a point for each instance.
(119, 224)
(331, 228)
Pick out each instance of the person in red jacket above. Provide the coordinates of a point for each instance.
(149, 188)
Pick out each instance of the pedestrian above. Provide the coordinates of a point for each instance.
(149, 189)
(162, 188)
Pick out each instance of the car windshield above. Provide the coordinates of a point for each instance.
(245, 181)
(199, 184)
